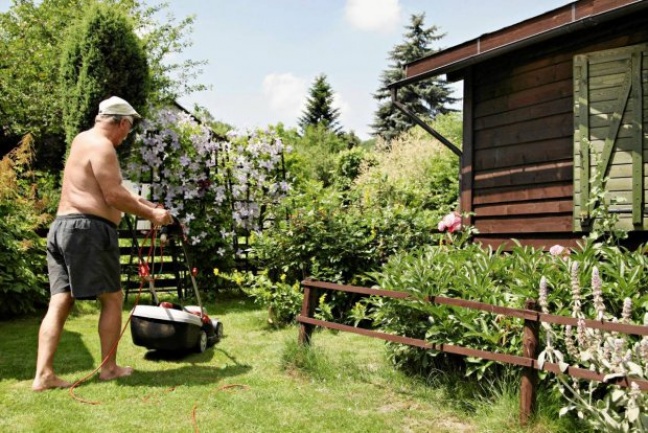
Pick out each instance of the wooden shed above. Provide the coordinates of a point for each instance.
(552, 105)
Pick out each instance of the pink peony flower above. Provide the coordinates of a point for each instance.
(556, 250)
(450, 222)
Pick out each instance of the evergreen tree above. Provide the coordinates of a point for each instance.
(319, 107)
(102, 57)
(426, 98)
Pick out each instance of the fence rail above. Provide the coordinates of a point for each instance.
(530, 339)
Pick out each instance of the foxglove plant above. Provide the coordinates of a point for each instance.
(610, 354)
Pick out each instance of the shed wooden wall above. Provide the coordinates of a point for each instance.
(517, 174)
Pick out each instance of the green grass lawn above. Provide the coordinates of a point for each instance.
(343, 384)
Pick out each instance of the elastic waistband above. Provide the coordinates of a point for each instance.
(74, 216)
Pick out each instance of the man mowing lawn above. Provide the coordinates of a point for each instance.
(82, 243)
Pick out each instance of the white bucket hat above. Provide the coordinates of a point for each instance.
(116, 105)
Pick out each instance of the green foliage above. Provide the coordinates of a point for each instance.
(33, 34)
(377, 204)
(101, 57)
(604, 408)
(280, 298)
(315, 153)
(462, 270)
(319, 109)
(349, 165)
(21, 258)
(415, 171)
(426, 99)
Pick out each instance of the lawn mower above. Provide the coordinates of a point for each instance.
(171, 327)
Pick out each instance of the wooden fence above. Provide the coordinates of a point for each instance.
(167, 263)
(530, 339)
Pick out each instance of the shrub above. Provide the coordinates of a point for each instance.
(343, 232)
(21, 212)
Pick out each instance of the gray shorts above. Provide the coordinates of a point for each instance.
(83, 256)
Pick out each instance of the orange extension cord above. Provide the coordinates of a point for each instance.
(145, 275)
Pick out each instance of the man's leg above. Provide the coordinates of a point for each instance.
(109, 330)
(49, 336)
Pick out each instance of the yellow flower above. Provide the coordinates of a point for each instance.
(216, 271)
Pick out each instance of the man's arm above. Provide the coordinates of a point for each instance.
(105, 167)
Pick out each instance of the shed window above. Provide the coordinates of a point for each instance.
(610, 134)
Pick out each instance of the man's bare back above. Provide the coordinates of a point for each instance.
(92, 180)
(81, 192)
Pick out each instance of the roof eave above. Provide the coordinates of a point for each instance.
(572, 18)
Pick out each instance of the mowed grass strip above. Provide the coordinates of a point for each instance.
(257, 379)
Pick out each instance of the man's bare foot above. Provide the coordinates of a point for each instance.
(51, 382)
(116, 373)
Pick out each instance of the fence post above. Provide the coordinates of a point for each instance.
(529, 374)
(308, 309)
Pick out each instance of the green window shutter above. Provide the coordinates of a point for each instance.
(610, 140)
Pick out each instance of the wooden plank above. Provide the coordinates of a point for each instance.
(467, 157)
(601, 121)
(540, 241)
(621, 199)
(519, 115)
(617, 184)
(525, 98)
(530, 224)
(581, 148)
(555, 172)
(524, 154)
(354, 289)
(522, 193)
(625, 142)
(638, 142)
(521, 209)
(620, 171)
(508, 81)
(543, 129)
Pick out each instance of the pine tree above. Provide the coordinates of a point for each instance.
(319, 107)
(102, 57)
(426, 98)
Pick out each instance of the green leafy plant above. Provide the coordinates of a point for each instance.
(604, 408)
(281, 299)
(22, 263)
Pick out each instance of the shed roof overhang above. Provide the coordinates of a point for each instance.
(560, 21)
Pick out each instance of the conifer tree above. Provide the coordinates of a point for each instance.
(319, 107)
(426, 98)
(102, 57)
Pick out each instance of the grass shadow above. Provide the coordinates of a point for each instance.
(187, 375)
(19, 346)
(179, 356)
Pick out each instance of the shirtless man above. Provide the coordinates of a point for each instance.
(82, 244)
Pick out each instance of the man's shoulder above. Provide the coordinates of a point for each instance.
(92, 140)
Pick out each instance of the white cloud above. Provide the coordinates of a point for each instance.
(344, 107)
(286, 94)
(374, 15)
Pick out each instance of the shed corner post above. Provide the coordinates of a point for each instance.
(308, 309)
(530, 343)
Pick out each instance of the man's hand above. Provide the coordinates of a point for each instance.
(161, 217)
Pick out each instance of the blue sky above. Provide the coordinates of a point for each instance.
(263, 55)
